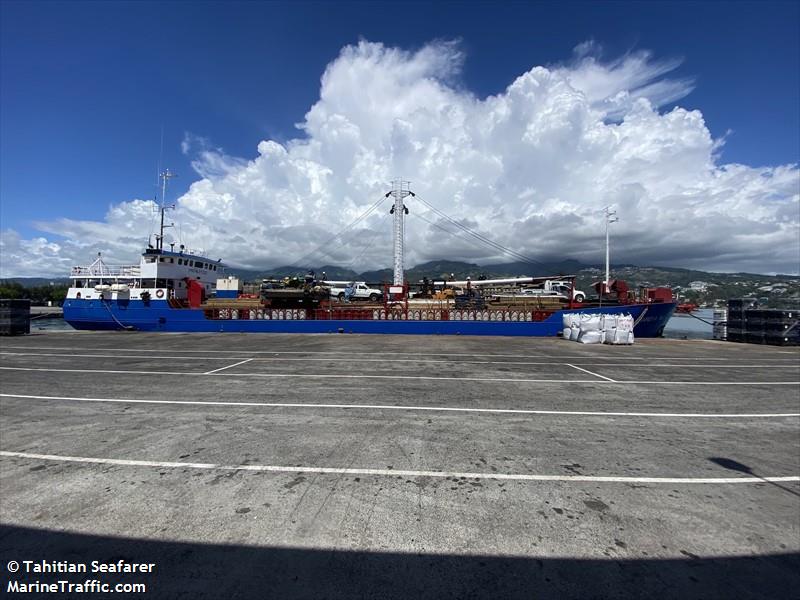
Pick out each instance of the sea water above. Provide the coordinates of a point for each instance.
(687, 326)
(50, 324)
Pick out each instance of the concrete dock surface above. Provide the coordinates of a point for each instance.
(359, 466)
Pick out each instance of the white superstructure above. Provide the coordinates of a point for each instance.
(160, 273)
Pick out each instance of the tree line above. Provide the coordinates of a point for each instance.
(37, 294)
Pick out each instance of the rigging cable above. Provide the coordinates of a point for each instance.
(497, 246)
(325, 246)
(375, 235)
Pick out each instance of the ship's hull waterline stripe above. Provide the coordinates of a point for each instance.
(515, 411)
(407, 360)
(400, 377)
(395, 473)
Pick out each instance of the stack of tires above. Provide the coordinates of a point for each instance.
(750, 324)
(15, 317)
(737, 307)
(781, 327)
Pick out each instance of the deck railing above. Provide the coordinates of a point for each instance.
(106, 271)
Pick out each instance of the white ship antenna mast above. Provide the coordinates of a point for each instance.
(165, 177)
(400, 190)
(610, 217)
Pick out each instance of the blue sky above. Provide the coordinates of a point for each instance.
(87, 87)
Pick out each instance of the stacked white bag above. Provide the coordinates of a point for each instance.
(598, 329)
(591, 331)
(572, 326)
(617, 329)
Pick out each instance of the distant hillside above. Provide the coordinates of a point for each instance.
(563, 267)
(331, 271)
(701, 287)
(37, 281)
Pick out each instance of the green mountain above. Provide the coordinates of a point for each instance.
(37, 281)
(331, 271)
(558, 267)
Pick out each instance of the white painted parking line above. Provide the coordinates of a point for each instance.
(624, 358)
(794, 366)
(337, 359)
(401, 377)
(395, 473)
(519, 411)
(590, 372)
(241, 362)
(134, 357)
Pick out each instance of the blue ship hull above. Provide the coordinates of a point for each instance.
(157, 315)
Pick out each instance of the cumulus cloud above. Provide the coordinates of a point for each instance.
(119, 236)
(530, 167)
(613, 87)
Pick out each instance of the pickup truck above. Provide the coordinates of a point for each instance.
(357, 290)
(554, 288)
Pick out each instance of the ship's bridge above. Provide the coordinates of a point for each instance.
(167, 264)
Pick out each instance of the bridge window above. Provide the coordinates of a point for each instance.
(197, 263)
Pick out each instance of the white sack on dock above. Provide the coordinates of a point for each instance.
(609, 328)
(590, 323)
(625, 322)
(591, 337)
(608, 322)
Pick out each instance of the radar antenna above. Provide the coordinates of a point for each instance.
(165, 177)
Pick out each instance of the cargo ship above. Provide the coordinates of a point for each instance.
(179, 290)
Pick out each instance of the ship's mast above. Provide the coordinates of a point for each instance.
(165, 177)
(610, 217)
(400, 190)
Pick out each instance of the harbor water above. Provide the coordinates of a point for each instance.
(50, 324)
(682, 326)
